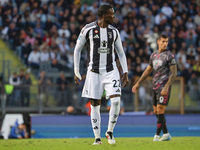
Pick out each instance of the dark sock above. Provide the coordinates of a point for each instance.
(164, 126)
(159, 123)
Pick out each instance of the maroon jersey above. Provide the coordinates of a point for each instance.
(161, 63)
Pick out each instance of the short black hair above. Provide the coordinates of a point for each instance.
(103, 10)
(162, 36)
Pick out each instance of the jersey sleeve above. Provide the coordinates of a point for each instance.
(120, 52)
(171, 60)
(79, 46)
(151, 60)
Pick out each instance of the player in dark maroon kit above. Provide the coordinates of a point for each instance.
(165, 70)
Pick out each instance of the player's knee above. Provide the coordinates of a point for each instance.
(160, 110)
(115, 101)
(95, 102)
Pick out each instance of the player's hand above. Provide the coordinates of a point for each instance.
(77, 81)
(164, 91)
(135, 88)
(77, 76)
(125, 79)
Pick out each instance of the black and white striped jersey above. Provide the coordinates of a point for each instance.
(102, 42)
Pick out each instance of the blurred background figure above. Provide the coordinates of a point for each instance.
(18, 131)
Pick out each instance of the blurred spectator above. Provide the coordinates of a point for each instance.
(27, 82)
(14, 98)
(64, 30)
(63, 95)
(43, 83)
(125, 10)
(14, 79)
(44, 55)
(193, 85)
(160, 19)
(21, 75)
(62, 80)
(197, 18)
(191, 40)
(167, 10)
(181, 54)
(26, 50)
(34, 59)
(191, 49)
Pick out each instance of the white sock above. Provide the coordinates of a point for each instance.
(114, 113)
(96, 120)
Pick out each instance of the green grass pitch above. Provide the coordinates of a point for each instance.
(177, 143)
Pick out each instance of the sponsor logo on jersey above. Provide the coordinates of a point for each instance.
(157, 63)
(104, 50)
(96, 36)
(95, 128)
(113, 121)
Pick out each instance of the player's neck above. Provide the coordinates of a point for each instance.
(161, 50)
(102, 24)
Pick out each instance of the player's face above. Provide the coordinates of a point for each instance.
(162, 43)
(110, 16)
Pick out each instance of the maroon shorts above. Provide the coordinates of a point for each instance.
(158, 99)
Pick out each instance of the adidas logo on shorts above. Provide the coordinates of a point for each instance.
(118, 90)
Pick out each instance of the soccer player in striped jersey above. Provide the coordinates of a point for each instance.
(165, 70)
(102, 72)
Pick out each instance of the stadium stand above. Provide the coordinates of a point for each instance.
(42, 34)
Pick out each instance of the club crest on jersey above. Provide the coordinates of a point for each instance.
(96, 31)
(157, 63)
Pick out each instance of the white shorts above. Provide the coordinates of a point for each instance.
(96, 83)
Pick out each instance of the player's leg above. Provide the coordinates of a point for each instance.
(160, 116)
(113, 116)
(93, 90)
(113, 90)
(154, 100)
(163, 101)
(96, 120)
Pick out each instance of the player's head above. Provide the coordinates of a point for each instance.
(162, 42)
(106, 12)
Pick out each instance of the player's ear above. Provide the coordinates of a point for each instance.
(158, 41)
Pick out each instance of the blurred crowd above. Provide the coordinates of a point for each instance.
(46, 30)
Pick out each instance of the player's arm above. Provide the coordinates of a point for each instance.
(77, 54)
(145, 74)
(122, 59)
(173, 75)
(173, 70)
